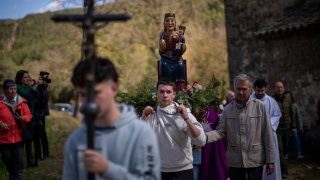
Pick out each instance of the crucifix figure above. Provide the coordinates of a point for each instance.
(112, 143)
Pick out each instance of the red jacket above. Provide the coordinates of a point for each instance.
(13, 135)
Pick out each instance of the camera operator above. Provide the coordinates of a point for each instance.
(37, 97)
(40, 112)
(25, 90)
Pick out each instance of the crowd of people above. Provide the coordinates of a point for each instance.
(23, 108)
(247, 139)
(286, 126)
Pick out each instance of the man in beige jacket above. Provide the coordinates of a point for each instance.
(247, 128)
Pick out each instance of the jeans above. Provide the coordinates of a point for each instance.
(196, 171)
(11, 156)
(296, 141)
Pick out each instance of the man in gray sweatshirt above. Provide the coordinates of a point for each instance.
(176, 128)
(125, 147)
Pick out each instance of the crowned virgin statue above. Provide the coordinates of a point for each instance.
(171, 48)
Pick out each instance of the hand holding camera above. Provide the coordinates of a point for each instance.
(44, 76)
(43, 80)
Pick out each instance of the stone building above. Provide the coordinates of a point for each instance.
(277, 40)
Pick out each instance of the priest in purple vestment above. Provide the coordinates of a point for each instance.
(214, 163)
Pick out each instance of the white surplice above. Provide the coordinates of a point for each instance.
(274, 114)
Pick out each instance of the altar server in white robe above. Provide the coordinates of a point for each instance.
(274, 114)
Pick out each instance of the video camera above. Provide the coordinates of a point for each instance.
(45, 76)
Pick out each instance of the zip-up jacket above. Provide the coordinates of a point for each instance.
(13, 135)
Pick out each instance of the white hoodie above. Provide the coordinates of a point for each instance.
(175, 138)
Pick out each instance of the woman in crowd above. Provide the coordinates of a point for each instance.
(14, 115)
(25, 90)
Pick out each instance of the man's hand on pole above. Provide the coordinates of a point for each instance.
(94, 162)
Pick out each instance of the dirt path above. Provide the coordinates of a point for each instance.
(11, 40)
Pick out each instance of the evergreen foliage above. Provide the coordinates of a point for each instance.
(144, 95)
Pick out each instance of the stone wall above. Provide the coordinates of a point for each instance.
(291, 56)
(295, 60)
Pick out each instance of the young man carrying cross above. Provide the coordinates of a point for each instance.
(125, 147)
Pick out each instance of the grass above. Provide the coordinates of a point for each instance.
(59, 125)
(298, 169)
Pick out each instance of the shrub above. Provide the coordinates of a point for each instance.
(144, 95)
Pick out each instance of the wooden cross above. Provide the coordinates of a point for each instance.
(89, 20)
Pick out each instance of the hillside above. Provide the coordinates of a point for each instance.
(36, 43)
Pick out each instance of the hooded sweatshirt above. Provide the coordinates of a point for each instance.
(175, 138)
(130, 146)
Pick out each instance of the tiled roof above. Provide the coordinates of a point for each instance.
(296, 19)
